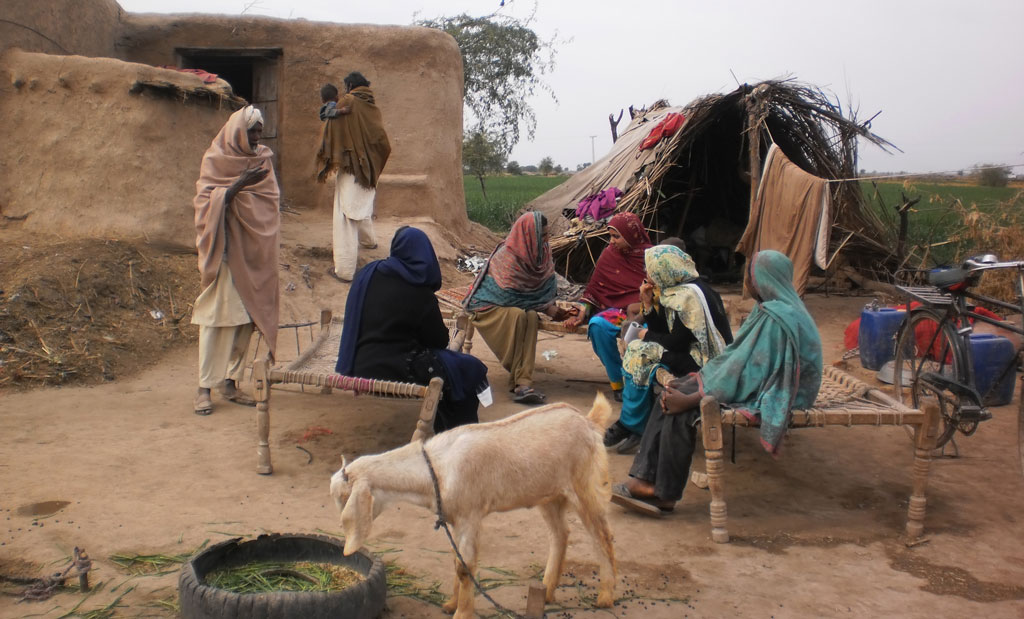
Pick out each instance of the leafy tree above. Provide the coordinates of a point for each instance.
(513, 168)
(482, 155)
(546, 166)
(502, 62)
(559, 169)
(993, 176)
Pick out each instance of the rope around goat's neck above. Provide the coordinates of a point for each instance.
(441, 522)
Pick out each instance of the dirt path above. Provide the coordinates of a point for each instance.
(814, 533)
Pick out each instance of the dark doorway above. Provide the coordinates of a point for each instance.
(253, 75)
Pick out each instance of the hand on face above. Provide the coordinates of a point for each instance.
(647, 293)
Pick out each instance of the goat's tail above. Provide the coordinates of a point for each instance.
(601, 412)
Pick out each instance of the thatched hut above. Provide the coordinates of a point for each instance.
(698, 183)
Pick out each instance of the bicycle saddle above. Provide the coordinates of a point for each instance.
(949, 277)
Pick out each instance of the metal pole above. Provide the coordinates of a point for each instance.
(592, 159)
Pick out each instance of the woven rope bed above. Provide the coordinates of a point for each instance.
(842, 401)
(315, 368)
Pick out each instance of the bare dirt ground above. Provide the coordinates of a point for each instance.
(814, 533)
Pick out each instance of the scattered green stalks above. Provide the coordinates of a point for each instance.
(265, 577)
(155, 564)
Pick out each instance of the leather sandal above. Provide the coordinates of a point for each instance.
(203, 404)
(232, 394)
(528, 395)
(654, 507)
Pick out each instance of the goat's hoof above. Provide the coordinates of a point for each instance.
(450, 606)
(605, 599)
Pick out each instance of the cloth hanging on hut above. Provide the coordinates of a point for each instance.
(664, 129)
(599, 205)
(790, 214)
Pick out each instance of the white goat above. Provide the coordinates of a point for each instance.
(549, 457)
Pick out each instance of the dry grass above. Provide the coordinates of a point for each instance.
(1000, 232)
(91, 310)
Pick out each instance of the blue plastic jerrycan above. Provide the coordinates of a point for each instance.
(992, 354)
(876, 338)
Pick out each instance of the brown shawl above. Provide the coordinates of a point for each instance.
(355, 143)
(790, 214)
(250, 225)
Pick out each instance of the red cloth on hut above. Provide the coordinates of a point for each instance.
(664, 129)
(617, 275)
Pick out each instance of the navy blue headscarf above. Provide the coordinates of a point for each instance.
(412, 259)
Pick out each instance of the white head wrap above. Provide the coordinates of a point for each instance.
(252, 116)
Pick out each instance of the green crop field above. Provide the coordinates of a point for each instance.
(505, 196)
(935, 222)
(932, 221)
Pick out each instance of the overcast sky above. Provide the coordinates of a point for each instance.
(947, 77)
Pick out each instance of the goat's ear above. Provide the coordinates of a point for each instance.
(357, 517)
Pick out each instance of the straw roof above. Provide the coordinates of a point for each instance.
(700, 178)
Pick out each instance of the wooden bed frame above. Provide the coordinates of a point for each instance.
(315, 368)
(843, 401)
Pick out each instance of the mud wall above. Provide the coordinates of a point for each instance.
(416, 75)
(83, 156)
(83, 27)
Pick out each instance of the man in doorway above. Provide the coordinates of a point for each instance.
(238, 227)
(355, 146)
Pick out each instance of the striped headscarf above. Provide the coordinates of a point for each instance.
(519, 272)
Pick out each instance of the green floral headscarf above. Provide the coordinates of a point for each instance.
(672, 270)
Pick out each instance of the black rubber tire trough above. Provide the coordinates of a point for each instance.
(363, 600)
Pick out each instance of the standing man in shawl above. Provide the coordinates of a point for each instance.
(773, 366)
(355, 146)
(237, 236)
(614, 286)
(518, 282)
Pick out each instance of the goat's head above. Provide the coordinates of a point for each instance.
(354, 499)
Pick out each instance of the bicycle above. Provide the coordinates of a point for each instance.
(934, 359)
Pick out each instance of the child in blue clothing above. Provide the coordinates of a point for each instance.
(329, 97)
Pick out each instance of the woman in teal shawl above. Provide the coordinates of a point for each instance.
(773, 366)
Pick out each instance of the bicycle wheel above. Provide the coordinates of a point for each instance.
(926, 347)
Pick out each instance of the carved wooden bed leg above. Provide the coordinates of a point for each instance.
(467, 345)
(925, 436)
(325, 323)
(711, 433)
(425, 424)
(261, 390)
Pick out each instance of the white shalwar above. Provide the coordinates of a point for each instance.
(353, 223)
(225, 329)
